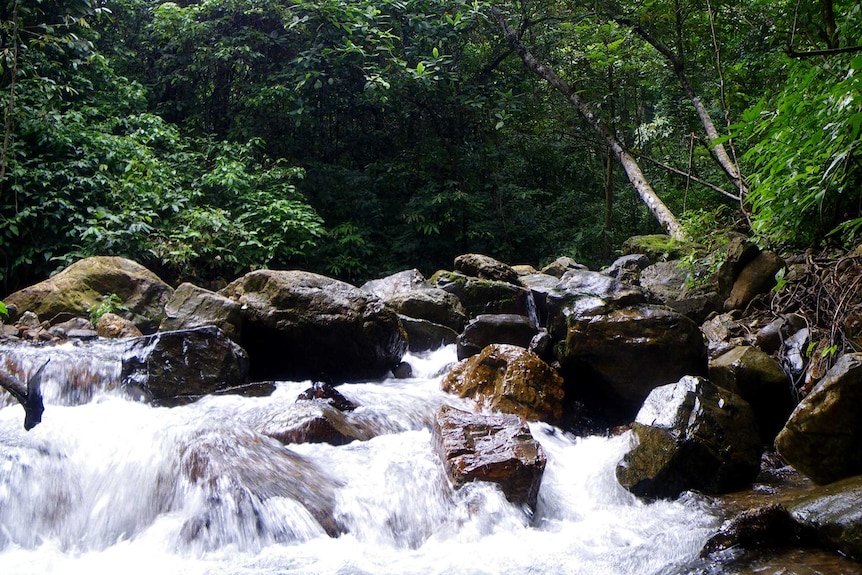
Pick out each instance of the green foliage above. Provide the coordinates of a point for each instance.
(804, 154)
(111, 303)
(4, 311)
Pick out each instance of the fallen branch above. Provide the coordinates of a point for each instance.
(29, 396)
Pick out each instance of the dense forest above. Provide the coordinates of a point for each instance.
(204, 138)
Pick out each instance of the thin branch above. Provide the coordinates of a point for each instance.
(693, 178)
(828, 52)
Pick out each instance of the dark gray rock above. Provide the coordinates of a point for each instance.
(823, 437)
(299, 325)
(423, 335)
(486, 296)
(401, 282)
(192, 306)
(486, 329)
(833, 514)
(430, 304)
(691, 435)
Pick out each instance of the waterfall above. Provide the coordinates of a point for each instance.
(107, 484)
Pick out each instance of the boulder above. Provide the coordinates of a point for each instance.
(577, 284)
(510, 379)
(738, 253)
(486, 329)
(83, 286)
(688, 291)
(691, 435)
(823, 437)
(768, 527)
(561, 265)
(628, 268)
(395, 284)
(304, 422)
(111, 325)
(486, 296)
(495, 448)
(486, 268)
(755, 278)
(177, 367)
(656, 247)
(540, 285)
(832, 513)
(192, 306)
(759, 380)
(524, 269)
(431, 304)
(300, 325)
(241, 475)
(325, 393)
(622, 354)
(424, 335)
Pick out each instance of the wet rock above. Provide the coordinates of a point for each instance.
(657, 247)
(759, 380)
(833, 514)
(495, 448)
(396, 284)
(755, 278)
(561, 265)
(424, 335)
(485, 267)
(299, 325)
(304, 422)
(486, 329)
(71, 325)
(627, 269)
(402, 371)
(688, 290)
(738, 253)
(524, 270)
(111, 325)
(510, 379)
(823, 437)
(241, 475)
(624, 353)
(177, 367)
(191, 306)
(771, 336)
(767, 527)
(540, 285)
(82, 286)
(328, 394)
(578, 284)
(691, 435)
(431, 304)
(480, 296)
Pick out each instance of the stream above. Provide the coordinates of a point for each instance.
(107, 484)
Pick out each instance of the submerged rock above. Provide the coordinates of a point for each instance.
(83, 285)
(691, 435)
(510, 379)
(305, 422)
(495, 448)
(300, 325)
(326, 393)
(768, 527)
(833, 514)
(823, 437)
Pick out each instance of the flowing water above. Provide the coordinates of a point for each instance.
(106, 484)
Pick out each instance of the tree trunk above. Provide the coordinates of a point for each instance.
(637, 178)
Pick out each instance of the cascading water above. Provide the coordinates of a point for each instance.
(106, 484)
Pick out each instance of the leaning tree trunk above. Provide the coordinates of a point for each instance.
(635, 175)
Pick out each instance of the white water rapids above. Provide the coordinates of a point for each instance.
(108, 485)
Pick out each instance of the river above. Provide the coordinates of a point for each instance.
(106, 484)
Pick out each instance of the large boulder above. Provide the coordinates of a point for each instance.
(759, 380)
(192, 306)
(687, 290)
(691, 435)
(832, 513)
(431, 304)
(755, 278)
(398, 283)
(540, 285)
(494, 448)
(423, 335)
(486, 329)
(304, 422)
(485, 267)
(300, 325)
(176, 367)
(621, 354)
(561, 265)
(823, 437)
(511, 379)
(84, 285)
(628, 268)
(486, 296)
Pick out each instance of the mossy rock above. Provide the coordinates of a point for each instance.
(656, 247)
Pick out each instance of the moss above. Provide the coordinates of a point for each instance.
(657, 247)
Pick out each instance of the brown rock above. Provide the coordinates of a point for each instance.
(485, 267)
(510, 379)
(113, 326)
(495, 448)
(754, 279)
